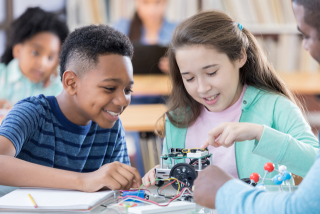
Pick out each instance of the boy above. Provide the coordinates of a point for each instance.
(216, 189)
(75, 140)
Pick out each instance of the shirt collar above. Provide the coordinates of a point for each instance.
(14, 71)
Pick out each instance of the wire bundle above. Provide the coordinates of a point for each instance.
(176, 197)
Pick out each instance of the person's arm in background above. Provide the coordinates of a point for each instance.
(216, 189)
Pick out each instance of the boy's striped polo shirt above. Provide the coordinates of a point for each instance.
(41, 134)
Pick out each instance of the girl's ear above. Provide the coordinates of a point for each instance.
(243, 58)
(16, 50)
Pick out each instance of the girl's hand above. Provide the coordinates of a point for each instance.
(228, 133)
(150, 177)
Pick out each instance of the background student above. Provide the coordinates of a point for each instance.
(149, 26)
(215, 188)
(225, 91)
(75, 140)
(29, 64)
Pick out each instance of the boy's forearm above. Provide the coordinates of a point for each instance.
(16, 172)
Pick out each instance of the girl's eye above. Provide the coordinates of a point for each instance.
(34, 53)
(110, 89)
(188, 80)
(213, 73)
(50, 58)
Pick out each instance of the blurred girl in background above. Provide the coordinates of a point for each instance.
(29, 64)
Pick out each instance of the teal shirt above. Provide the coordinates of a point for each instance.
(14, 86)
(287, 138)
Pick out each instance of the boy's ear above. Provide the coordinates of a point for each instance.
(243, 58)
(16, 50)
(69, 82)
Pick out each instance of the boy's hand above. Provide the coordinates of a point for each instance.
(207, 185)
(149, 177)
(228, 133)
(114, 176)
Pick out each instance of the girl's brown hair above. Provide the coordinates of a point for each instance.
(217, 30)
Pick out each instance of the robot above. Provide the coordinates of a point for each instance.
(284, 176)
(186, 173)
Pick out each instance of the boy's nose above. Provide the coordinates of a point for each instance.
(122, 99)
(305, 45)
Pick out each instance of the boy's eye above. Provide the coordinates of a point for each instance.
(188, 80)
(213, 73)
(129, 91)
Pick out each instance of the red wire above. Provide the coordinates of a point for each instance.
(168, 185)
(162, 205)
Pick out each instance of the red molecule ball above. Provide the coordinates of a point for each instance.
(269, 167)
(255, 177)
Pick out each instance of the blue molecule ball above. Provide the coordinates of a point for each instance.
(286, 176)
(277, 180)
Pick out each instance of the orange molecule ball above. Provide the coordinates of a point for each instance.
(269, 167)
(255, 177)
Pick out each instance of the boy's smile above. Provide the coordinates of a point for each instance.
(100, 94)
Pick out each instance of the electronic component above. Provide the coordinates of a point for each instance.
(140, 194)
(154, 197)
(197, 154)
(186, 173)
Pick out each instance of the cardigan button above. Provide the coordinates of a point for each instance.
(244, 102)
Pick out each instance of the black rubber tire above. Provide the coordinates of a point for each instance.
(185, 173)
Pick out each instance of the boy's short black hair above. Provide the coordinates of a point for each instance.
(84, 45)
(32, 21)
(311, 12)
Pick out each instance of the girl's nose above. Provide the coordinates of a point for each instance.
(203, 87)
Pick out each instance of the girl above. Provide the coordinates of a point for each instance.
(29, 64)
(223, 85)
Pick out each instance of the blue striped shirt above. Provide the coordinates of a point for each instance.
(41, 134)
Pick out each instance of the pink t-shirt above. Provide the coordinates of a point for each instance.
(197, 134)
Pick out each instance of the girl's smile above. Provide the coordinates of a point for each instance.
(211, 100)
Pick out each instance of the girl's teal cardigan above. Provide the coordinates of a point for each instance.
(287, 138)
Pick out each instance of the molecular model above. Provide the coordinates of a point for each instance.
(283, 176)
